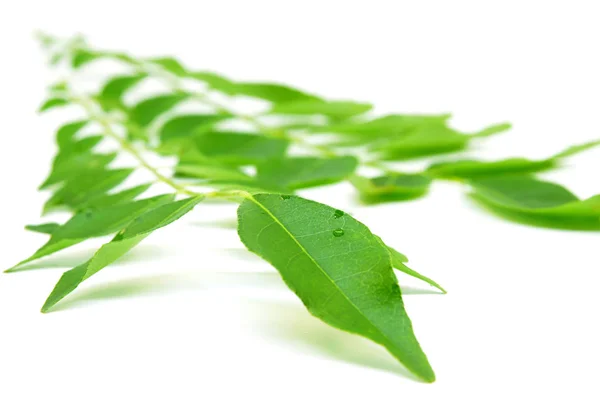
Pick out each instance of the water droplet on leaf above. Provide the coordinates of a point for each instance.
(338, 232)
(285, 196)
(338, 214)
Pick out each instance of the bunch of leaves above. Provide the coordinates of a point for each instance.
(341, 271)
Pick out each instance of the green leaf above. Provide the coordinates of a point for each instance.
(87, 185)
(75, 165)
(65, 136)
(52, 103)
(187, 126)
(111, 94)
(337, 267)
(530, 200)
(392, 187)
(302, 172)
(399, 262)
(45, 228)
(128, 238)
(576, 149)
(423, 141)
(215, 81)
(275, 93)
(94, 223)
(146, 111)
(109, 200)
(210, 171)
(334, 109)
(470, 169)
(393, 125)
(82, 57)
(170, 64)
(240, 148)
(493, 130)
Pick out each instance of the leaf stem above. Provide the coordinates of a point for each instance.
(101, 118)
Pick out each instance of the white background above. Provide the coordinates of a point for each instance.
(190, 313)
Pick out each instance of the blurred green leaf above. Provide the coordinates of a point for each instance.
(391, 187)
(530, 200)
(334, 109)
(302, 172)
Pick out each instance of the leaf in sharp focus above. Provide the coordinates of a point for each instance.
(45, 228)
(240, 148)
(111, 95)
(53, 103)
(186, 126)
(170, 64)
(146, 111)
(77, 191)
(82, 57)
(529, 200)
(392, 187)
(144, 224)
(302, 172)
(275, 93)
(337, 267)
(94, 223)
(399, 262)
(333, 109)
(471, 169)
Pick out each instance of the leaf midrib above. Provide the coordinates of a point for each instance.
(320, 268)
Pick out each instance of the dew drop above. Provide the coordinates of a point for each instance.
(338, 214)
(285, 196)
(338, 232)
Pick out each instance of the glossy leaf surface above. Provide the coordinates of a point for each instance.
(337, 267)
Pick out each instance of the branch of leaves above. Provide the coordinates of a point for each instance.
(507, 187)
(339, 269)
(393, 137)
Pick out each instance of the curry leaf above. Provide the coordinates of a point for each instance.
(111, 94)
(125, 240)
(392, 187)
(334, 109)
(240, 148)
(470, 169)
(337, 267)
(94, 223)
(186, 126)
(528, 199)
(45, 228)
(146, 111)
(302, 172)
(53, 103)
